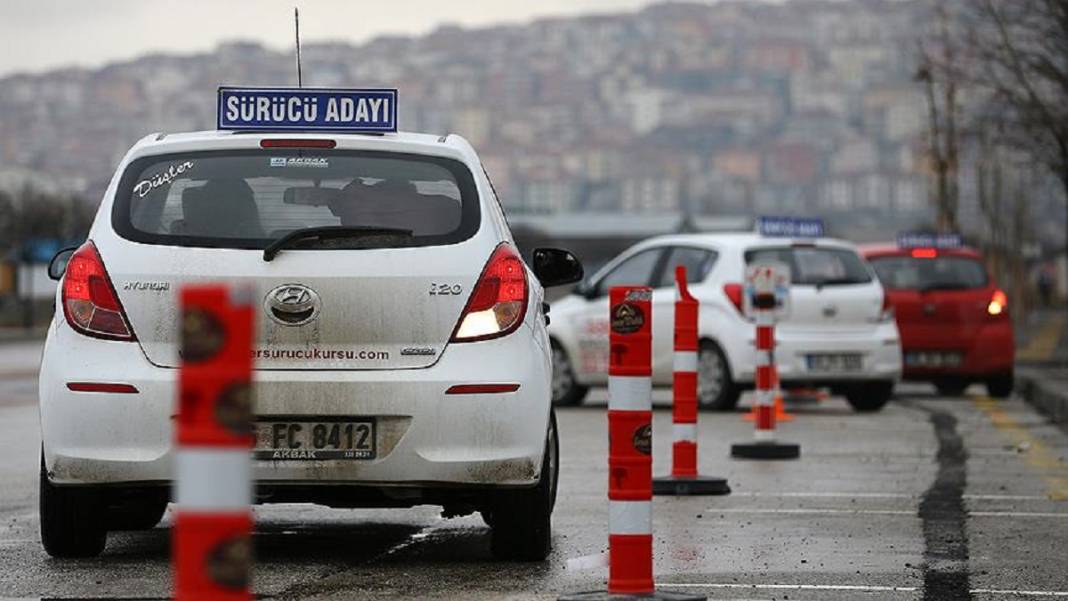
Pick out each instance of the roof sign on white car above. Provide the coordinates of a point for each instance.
(308, 109)
(928, 240)
(790, 227)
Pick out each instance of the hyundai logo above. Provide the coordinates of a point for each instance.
(292, 304)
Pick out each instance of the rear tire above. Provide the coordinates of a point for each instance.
(716, 390)
(520, 518)
(566, 390)
(72, 519)
(870, 396)
(1000, 386)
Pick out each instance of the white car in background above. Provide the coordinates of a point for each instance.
(838, 333)
(401, 354)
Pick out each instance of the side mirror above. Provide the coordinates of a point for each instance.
(58, 265)
(556, 267)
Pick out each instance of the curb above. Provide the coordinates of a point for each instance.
(1046, 394)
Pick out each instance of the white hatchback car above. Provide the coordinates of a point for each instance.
(392, 298)
(839, 331)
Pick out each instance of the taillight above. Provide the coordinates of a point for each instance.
(924, 253)
(999, 303)
(734, 294)
(297, 143)
(89, 300)
(886, 313)
(499, 300)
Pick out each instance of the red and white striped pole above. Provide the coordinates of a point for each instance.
(630, 447)
(684, 479)
(765, 446)
(213, 469)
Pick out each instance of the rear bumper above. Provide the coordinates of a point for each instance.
(425, 438)
(879, 348)
(987, 351)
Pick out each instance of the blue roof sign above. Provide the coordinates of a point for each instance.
(790, 227)
(308, 109)
(928, 240)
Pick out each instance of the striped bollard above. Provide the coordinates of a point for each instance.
(213, 527)
(684, 478)
(630, 445)
(764, 445)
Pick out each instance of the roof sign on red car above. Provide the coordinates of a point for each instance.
(928, 240)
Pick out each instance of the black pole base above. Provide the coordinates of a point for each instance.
(766, 450)
(696, 485)
(606, 596)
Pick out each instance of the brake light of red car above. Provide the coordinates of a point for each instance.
(89, 300)
(499, 300)
(734, 294)
(924, 253)
(999, 304)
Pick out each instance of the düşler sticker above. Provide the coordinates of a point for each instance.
(145, 186)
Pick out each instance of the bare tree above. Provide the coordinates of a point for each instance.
(937, 71)
(1019, 57)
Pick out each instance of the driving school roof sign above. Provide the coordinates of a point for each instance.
(308, 109)
(929, 240)
(790, 227)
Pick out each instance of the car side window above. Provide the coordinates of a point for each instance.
(697, 261)
(635, 271)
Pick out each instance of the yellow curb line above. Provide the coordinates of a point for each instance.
(1038, 455)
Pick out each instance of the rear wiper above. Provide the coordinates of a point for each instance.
(943, 286)
(835, 282)
(330, 231)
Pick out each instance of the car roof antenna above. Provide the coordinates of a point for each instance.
(296, 25)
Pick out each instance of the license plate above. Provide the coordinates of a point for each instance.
(314, 440)
(932, 359)
(834, 362)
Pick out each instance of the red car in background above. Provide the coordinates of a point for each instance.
(953, 319)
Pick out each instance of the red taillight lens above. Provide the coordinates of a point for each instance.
(89, 300)
(924, 253)
(499, 300)
(999, 304)
(886, 313)
(734, 294)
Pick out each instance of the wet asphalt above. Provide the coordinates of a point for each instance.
(932, 498)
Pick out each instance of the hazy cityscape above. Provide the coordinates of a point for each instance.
(736, 108)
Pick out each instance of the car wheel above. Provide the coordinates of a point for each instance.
(521, 518)
(952, 387)
(1000, 386)
(566, 390)
(715, 388)
(72, 519)
(870, 396)
(143, 515)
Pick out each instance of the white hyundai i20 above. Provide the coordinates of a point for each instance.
(392, 300)
(839, 331)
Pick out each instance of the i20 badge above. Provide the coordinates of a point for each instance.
(292, 304)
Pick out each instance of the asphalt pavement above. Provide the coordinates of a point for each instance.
(932, 498)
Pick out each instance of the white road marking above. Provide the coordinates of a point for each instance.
(879, 495)
(913, 512)
(853, 587)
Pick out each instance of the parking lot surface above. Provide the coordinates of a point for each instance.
(932, 498)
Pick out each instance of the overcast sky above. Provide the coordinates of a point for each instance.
(36, 35)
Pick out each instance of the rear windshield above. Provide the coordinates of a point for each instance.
(816, 266)
(940, 273)
(246, 199)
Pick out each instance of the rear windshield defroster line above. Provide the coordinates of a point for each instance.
(425, 179)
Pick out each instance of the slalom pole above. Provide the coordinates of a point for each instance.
(684, 478)
(212, 540)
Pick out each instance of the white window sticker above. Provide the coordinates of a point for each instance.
(167, 176)
(316, 162)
